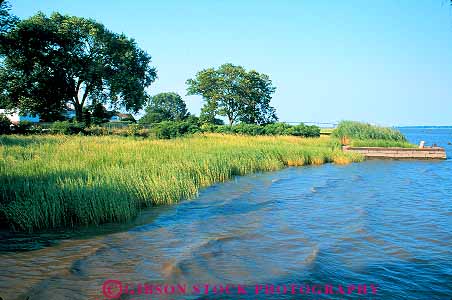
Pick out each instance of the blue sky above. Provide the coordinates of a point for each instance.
(387, 62)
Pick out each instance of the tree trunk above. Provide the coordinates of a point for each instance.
(231, 119)
(78, 112)
(78, 105)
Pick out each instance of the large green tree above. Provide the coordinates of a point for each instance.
(258, 90)
(165, 107)
(234, 93)
(50, 62)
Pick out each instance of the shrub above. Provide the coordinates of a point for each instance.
(133, 129)
(66, 127)
(123, 131)
(166, 130)
(269, 129)
(208, 127)
(303, 130)
(358, 130)
(224, 129)
(248, 129)
(5, 124)
(96, 130)
(276, 128)
(120, 123)
(311, 131)
(193, 124)
(23, 127)
(172, 129)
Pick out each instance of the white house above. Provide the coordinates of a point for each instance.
(15, 117)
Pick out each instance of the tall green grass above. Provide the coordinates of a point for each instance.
(364, 131)
(61, 181)
(381, 143)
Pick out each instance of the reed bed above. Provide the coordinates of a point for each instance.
(60, 181)
(381, 143)
(365, 131)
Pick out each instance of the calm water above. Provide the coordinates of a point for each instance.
(387, 223)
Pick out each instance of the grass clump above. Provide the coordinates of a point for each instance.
(66, 181)
(381, 143)
(364, 131)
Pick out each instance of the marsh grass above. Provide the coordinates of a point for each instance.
(363, 131)
(59, 181)
(381, 143)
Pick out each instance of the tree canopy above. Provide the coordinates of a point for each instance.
(165, 107)
(50, 62)
(234, 93)
(6, 19)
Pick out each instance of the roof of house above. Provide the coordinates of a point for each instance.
(123, 116)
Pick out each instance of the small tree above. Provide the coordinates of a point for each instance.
(234, 93)
(165, 107)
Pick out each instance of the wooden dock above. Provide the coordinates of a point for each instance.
(399, 153)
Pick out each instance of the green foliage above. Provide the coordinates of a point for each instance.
(257, 91)
(363, 131)
(52, 61)
(134, 130)
(5, 124)
(248, 129)
(99, 113)
(223, 129)
(86, 117)
(232, 92)
(66, 127)
(130, 130)
(24, 127)
(269, 129)
(96, 130)
(165, 107)
(7, 21)
(172, 129)
(52, 116)
(151, 118)
(208, 113)
(277, 128)
(208, 127)
(303, 130)
(49, 182)
(193, 120)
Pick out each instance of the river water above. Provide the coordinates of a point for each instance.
(383, 224)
